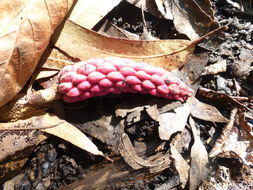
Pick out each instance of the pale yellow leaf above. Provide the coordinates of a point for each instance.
(84, 44)
(73, 135)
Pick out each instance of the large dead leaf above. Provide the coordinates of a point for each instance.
(193, 18)
(199, 159)
(26, 27)
(85, 44)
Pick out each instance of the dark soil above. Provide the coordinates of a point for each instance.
(56, 163)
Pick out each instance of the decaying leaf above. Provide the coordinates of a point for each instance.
(148, 5)
(199, 159)
(205, 111)
(18, 139)
(127, 151)
(85, 44)
(225, 179)
(88, 13)
(181, 166)
(219, 67)
(73, 135)
(26, 27)
(172, 122)
(246, 126)
(191, 17)
(231, 141)
(221, 98)
(18, 108)
(153, 106)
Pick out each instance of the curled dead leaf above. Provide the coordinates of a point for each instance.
(127, 151)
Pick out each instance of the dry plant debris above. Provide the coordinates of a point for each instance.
(150, 142)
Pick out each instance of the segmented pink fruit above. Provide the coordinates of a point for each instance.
(98, 77)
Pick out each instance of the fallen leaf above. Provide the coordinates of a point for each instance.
(199, 159)
(149, 6)
(205, 111)
(246, 124)
(231, 141)
(181, 166)
(225, 178)
(18, 108)
(112, 30)
(17, 144)
(54, 59)
(85, 44)
(69, 133)
(19, 138)
(220, 98)
(191, 17)
(171, 123)
(88, 13)
(218, 67)
(127, 151)
(26, 28)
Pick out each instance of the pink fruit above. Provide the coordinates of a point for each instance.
(98, 77)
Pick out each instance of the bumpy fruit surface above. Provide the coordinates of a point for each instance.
(98, 77)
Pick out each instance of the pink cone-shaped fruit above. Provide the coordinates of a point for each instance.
(98, 77)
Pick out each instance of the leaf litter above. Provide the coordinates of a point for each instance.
(110, 129)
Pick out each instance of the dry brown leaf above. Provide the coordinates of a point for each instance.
(148, 5)
(181, 166)
(18, 139)
(225, 178)
(109, 29)
(17, 144)
(88, 13)
(18, 108)
(171, 123)
(199, 159)
(231, 141)
(84, 44)
(218, 67)
(54, 59)
(127, 151)
(220, 99)
(16, 147)
(191, 17)
(26, 27)
(73, 135)
(205, 111)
